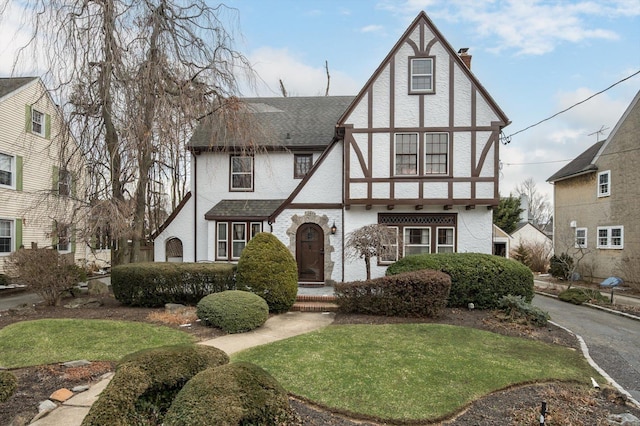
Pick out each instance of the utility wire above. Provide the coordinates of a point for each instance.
(507, 139)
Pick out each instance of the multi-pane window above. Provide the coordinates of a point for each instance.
(6, 235)
(6, 169)
(581, 237)
(223, 241)
(445, 242)
(390, 250)
(64, 182)
(417, 240)
(241, 173)
(610, 237)
(406, 154)
(239, 239)
(37, 122)
(232, 237)
(256, 228)
(421, 78)
(301, 165)
(62, 234)
(604, 184)
(437, 153)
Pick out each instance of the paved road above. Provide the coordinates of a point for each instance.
(613, 341)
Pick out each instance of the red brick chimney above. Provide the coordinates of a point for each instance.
(466, 58)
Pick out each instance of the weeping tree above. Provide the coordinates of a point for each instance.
(134, 77)
(371, 241)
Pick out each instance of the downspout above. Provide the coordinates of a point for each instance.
(195, 206)
(342, 209)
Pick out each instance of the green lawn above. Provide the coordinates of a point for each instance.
(49, 341)
(410, 371)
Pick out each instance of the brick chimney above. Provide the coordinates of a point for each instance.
(466, 58)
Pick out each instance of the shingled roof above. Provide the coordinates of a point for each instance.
(291, 122)
(243, 209)
(8, 85)
(580, 165)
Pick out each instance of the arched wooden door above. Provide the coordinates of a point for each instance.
(310, 253)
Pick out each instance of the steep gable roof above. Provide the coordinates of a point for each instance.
(283, 122)
(11, 84)
(580, 165)
(635, 103)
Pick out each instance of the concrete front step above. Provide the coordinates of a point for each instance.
(315, 303)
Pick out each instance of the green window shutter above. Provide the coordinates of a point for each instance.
(54, 235)
(18, 173)
(27, 119)
(54, 179)
(18, 233)
(47, 126)
(73, 239)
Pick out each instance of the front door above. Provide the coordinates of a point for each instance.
(310, 253)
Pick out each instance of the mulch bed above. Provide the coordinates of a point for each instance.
(568, 403)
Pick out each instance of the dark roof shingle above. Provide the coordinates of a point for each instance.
(579, 165)
(243, 209)
(8, 85)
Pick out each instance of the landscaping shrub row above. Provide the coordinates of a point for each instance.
(421, 293)
(481, 279)
(155, 284)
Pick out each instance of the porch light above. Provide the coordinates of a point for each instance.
(333, 228)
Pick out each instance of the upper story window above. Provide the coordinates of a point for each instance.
(301, 165)
(7, 170)
(421, 75)
(610, 237)
(581, 238)
(406, 154)
(241, 178)
(64, 182)
(6, 235)
(604, 184)
(437, 153)
(37, 122)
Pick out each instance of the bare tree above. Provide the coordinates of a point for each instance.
(368, 242)
(134, 78)
(538, 205)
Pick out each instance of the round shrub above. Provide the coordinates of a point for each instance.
(578, 296)
(233, 311)
(267, 268)
(8, 385)
(234, 394)
(481, 279)
(146, 382)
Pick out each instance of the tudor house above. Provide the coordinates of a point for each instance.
(596, 203)
(416, 149)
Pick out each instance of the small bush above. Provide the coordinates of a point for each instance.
(8, 385)
(234, 394)
(4, 280)
(233, 311)
(146, 382)
(153, 284)
(267, 268)
(420, 293)
(518, 310)
(578, 296)
(561, 266)
(481, 279)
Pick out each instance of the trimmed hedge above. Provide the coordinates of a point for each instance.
(235, 394)
(267, 268)
(578, 296)
(420, 293)
(8, 385)
(481, 279)
(154, 284)
(233, 311)
(146, 382)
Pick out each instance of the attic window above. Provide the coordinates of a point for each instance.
(37, 122)
(604, 184)
(421, 75)
(301, 165)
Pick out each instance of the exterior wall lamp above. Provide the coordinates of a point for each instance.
(333, 228)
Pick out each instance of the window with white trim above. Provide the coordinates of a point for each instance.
(421, 75)
(417, 240)
(6, 236)
(446, 240)
(64, 182)
(610, 237)
(7, 170)
(62, 236)
(406, 154)
(390, 251)
(256, 228)
(37, 122)
(232, 237)
(241, 173)
(437, 153)
(223, 241)
(604, 184)
(581, 238)
(238, 239)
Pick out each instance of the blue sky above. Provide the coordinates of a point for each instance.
(534, 57)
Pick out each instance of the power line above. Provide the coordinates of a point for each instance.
(507, 139)
(539, 162)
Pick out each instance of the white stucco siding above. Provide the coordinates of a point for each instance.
(461, 148)
(381, 105)
(354, 268)
(488, 167)
(325, 184)
(355, 168)
(436, 190)
(360, 114)
(436, 108)
(406, 190)
(462, 96)
(462, 190)
(475, 228)
(358, 190)
(180, 227)
(485, 190)
(485, 114)
(381, 154)
(381, 190)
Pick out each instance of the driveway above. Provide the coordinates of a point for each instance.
(613, 341)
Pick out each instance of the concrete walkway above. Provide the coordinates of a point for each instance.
(279, 327)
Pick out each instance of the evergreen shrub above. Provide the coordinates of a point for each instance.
(481, 279)
(578, 296)
(153, 284)
(561, 266)
(519, 310)
(267, 268)
(233, 311)
(8, 385)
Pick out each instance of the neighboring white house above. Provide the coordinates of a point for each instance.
(416, 149)
(41, 173)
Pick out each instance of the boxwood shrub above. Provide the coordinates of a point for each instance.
(578, 296)
(8, 385)
(233, 394)
(481, 279)
(421, 293)
(233, 311)
(154, 284)
(146, 382)
(267, 268)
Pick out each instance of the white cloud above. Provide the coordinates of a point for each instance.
(372, 29)
(13, 34)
